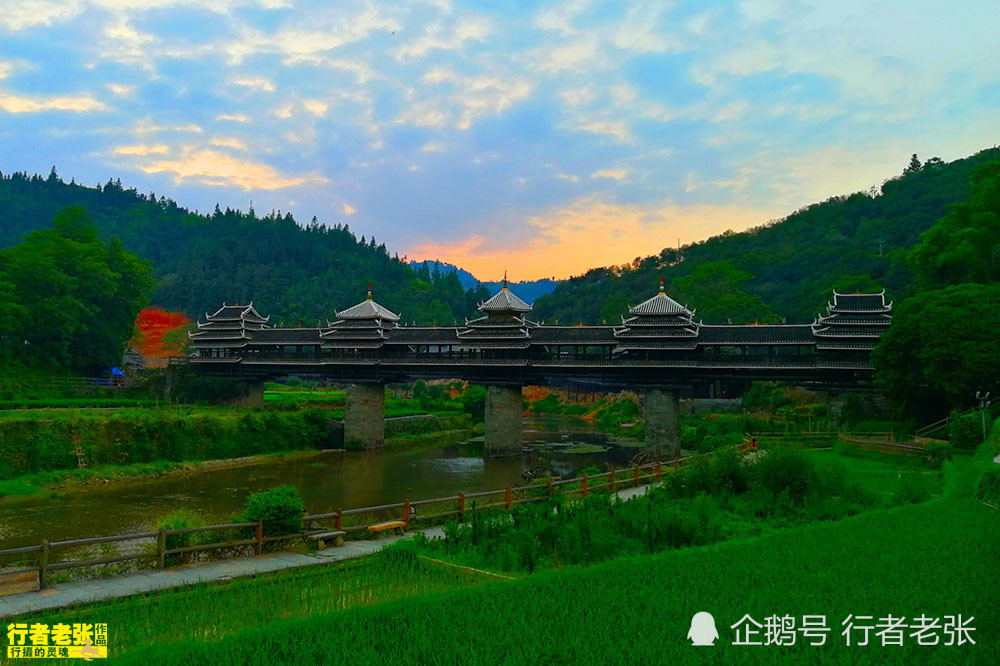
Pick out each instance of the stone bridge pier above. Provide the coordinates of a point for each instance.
(364, 417)
(663, 427)
(504, 424)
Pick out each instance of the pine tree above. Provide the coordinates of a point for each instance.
(914, 165)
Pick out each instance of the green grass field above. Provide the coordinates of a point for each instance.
(212, 611)
(936, 558)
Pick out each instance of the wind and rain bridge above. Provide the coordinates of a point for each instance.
(660, 351)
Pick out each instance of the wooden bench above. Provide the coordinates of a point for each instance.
(388, 525)
(337, 536)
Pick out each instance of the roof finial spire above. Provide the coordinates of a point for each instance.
(505, 280)
(369, 290)
(661, 284)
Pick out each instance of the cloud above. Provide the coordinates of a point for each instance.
(433, 147)
(210, 167)
(259, 83)
(469, 97)
(158, 149)
(229, 142)
(311, 38)
(234, 117)
(349, 209)
(466, 30)
(574, 56)
(21, 14)
(578, 96)
(13, 103)
(614, 128)
(316, 107)
(147, 126)
(639, 30)
(567, 176)
(613, 174)
(592, 231)
(121, 89)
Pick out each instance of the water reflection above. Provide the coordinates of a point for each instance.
(327, 481)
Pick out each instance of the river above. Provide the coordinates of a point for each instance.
(437, 467)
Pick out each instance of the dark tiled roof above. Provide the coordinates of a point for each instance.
(587, 335)
(763, 334)
(286, 336)
(368, 309)
(504, 301)
(859, 302)
(416, 335)
(661, 304)
(849, 331)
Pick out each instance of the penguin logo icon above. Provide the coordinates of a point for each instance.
(703, 631)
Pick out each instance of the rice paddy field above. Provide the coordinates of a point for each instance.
(936, 557)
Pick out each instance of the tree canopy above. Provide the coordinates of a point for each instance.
(943, 344)
(296, 273)
(793, 263)
(67, 298)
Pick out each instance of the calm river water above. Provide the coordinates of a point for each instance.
(327, 481)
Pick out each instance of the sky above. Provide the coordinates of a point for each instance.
(541, 139)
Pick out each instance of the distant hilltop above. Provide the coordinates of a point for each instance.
(528, 290)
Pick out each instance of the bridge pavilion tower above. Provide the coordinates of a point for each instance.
(360, 331)
(501, 336)
(656, 325)
(222, 340)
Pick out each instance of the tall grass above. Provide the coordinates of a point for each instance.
(212, 611)
(936, 558)
(43, 441)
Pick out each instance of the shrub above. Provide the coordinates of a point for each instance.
(178, 520)
(786, 470)
(965, 430)
(936, 453)
(988, 488)
(912, 489)
(280, 508)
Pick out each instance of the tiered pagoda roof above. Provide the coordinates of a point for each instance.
(361, 326)
(853, 321)
(230, 326)
(503, 326)
(657, 323)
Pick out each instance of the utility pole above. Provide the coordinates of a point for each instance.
(984, 402)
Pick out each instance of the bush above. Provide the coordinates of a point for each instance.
(280, 508)
(179, 520)
(936, 453)
(965, 430)
(913, 489)
(786, 471)
(988, 488)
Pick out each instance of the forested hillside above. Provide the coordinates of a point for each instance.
(296, 273)
(527, 290)
(785, 269)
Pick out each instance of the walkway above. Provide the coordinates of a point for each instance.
(143, 582)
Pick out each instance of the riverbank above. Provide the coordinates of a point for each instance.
(900, 561)
(68, 480)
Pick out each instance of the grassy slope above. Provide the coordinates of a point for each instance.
(936, 558)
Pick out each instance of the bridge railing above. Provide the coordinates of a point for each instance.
(248, 539)
(742, 362)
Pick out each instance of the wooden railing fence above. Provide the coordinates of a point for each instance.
(456, 505)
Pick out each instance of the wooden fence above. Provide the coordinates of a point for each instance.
(455, 506)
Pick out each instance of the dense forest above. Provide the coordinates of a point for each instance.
(785, 269)
(297, 273)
